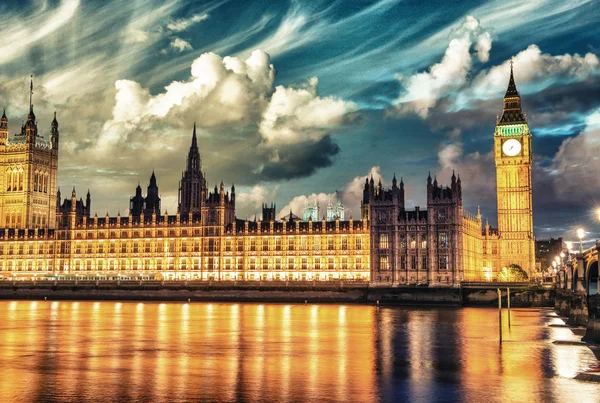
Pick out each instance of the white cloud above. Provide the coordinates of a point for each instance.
(184, 23)
(136, 36)
(297, 204)
(18, 36)
(180, 45)
(576, 166)
(423, 90)
(351, 196)
(532, 67)
(296, 115)
(249, 202)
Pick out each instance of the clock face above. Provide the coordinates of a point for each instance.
(511, 147)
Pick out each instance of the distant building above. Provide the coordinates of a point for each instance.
(311, 212)
(546, 250)
(335, 211)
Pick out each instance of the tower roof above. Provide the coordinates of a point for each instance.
(193, 161)
(153, 179)
(512, 113)
(511, 91)
(31, 116)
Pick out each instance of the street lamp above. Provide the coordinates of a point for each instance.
(580, 235)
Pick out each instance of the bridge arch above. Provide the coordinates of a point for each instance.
(591, 278)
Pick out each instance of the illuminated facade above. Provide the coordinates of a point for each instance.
(390, 245)
(513, 155)
(28, 174)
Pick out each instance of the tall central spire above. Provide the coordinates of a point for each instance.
(512, 113)
(31, 116)
(193, 161)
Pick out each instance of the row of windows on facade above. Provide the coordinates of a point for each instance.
(442, 216)
(16, 219)
(212, 245)
(412, 241)
(210, 263)
(14, 182)
(384, 263)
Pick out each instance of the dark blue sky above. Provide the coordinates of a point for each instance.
(339, 90)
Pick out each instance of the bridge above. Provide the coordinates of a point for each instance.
(580, 273)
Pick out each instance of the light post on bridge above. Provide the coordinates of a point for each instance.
(580, 235)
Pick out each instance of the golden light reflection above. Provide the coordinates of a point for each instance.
(257, 352)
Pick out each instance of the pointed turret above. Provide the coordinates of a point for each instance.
(31, 116)
(4, 120)
(193, 161)
(512, 113)
(88, 203)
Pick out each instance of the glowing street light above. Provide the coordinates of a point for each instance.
(580, 235)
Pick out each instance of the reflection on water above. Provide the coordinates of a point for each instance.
(149, 352)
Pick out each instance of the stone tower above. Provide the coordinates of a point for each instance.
(192, 187)
(513, 157)
(28, 174)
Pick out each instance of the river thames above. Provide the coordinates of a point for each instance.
(170, 352)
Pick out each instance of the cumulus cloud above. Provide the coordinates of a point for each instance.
(297, 115)
(351, 196)
(249, 201)
(535, 69)
(249, 130)
(184, 23)
(448, 86)
(423, 90)
(575, 167)
(180, 45)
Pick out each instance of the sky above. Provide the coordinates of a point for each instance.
(297, 101)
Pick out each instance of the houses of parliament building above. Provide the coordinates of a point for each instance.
(42, 235)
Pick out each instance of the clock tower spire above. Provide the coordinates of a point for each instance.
(513, 157)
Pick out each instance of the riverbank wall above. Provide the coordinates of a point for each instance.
(580, 310)
(292, 292)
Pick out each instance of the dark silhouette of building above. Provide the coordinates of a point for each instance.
(148, 205)
(269, 212)
(72, 208)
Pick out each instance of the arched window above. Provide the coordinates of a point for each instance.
(35, 182)
(46, 183)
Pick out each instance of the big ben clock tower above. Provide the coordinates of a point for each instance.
(513, 155)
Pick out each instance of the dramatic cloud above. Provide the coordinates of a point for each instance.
(424, 89)
(269, 133)
(184, 23)
(575, 169)
(534, 71)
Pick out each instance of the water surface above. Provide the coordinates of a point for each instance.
(153, 352)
